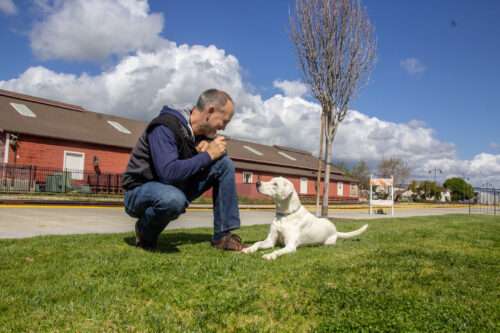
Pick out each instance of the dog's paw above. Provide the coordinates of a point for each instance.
(248, 250)
(270, 256)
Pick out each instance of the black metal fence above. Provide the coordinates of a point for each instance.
(30, 178)
(486, 201)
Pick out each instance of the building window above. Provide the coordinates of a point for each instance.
(247, 177)
(119, 127)
(353, 192)
(303, 185)
(253, 150)
(287, 156)
(340, 189)
(23, 110)
(74, 163)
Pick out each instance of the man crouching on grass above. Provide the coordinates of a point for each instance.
(177, 158)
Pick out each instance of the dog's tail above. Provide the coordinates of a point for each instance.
(352, 233)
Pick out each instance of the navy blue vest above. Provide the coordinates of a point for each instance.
(140, 166)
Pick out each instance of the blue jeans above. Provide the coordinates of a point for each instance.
(156, 204)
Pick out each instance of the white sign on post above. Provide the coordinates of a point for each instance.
(388, 185)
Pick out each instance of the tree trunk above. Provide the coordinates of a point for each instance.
(326, 183)
(320, 164)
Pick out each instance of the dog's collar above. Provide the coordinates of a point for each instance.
(278, 214)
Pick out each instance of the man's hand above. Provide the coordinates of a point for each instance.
(217, 147)
(202, 146)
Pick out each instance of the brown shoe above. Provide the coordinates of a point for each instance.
(230, 242)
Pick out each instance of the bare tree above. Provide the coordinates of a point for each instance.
(361, 171)
(320, 166)
(395, 167)
(336, 47)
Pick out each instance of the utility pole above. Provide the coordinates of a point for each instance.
(435, 173)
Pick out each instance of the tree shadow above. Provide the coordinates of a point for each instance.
(168, 242)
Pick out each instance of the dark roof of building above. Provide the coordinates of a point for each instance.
(65, 121)
(70, 122)
(39, 100)
(275, 156)
(286, 170)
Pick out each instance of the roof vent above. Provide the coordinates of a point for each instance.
(23, 110)
(287, 156)
(293, 150)
(255, 151)
(119, 127)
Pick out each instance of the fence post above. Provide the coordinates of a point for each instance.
(97, 184)
(34, 175)
(64, 181)
(494, 202)
(31, 177)
(109, 182)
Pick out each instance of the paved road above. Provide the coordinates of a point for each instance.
(21, 222)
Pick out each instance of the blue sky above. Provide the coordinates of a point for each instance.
(438, 64)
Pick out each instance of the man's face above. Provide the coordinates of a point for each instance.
(217, 119)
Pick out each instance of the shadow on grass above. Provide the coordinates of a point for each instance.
(168, 242)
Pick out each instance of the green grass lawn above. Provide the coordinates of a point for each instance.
(428, 274)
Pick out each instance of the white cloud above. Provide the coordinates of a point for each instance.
(413, 66)
(482, 168)
(364, 137)
(94, 29)
(8, 7)
(140, 84)
(278, 120)
(414, 123)
(291, 88)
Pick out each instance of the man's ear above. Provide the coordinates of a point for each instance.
(210, 111)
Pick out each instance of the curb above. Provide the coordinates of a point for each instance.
(78, 203)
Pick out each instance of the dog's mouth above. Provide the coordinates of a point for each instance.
(259, 189)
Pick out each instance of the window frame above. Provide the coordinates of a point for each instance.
(306, 185)
(340, 189)
(250, 173)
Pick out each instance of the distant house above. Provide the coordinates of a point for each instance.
(409, 195)
(403, 195)
(42, 133)
(445, 196)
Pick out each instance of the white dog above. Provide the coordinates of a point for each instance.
(294, 225)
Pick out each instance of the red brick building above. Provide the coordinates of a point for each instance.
(42, 133)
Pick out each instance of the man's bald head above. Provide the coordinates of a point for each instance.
(214, 110)
(213, 97)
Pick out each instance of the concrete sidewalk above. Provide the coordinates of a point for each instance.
(21, 222)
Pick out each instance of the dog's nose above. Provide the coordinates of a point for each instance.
(257, 184)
